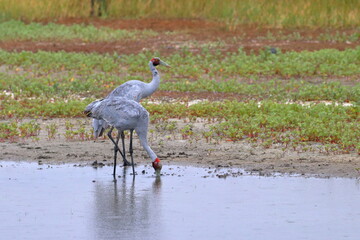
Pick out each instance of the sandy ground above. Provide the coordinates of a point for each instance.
(173, 149)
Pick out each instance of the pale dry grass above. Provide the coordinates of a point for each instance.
(274, 13)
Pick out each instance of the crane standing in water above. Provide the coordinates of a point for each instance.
(124, 114)
(133, 90)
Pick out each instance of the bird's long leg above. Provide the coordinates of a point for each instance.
(116, 148)
(131, 151)
(126, 162)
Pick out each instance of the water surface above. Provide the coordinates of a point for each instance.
(66, 202)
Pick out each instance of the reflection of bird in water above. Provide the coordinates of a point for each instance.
(126, 210)
(133, 90)
(157, 184)
(124, 114)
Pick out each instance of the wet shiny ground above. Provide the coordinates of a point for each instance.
(66, 202)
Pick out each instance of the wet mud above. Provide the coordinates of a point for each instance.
(173, 149)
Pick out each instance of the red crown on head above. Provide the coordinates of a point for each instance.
(155, 61)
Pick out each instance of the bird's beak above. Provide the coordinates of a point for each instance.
(164, 64)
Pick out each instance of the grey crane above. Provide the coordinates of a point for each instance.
(134, 90)
(124, 114)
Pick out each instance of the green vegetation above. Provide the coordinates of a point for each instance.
(17, 30)
(13, 130)
(327, 36)
(327, 62)
(288, 126)
(71, 76)
(269, 123)
(77, 134)
(45, 84)
(275, 13)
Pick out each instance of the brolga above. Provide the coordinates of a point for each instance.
(124, 114)
(133, 90)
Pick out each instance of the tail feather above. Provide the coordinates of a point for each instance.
(88, 113)
(89, 108)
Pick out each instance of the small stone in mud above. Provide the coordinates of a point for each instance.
(143, 172)
(71, 155)
(93, 181)
(43, 157)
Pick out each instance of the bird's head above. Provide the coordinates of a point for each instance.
(157, 165)
(157, 61)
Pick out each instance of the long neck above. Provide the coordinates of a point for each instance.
(155, 82)
(143, 140)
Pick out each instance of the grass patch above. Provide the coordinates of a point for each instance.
(43, 84)
(327, 36)
(275, 13)
(281, 77)
(270, 123)
(17, 30)
(322, 63)
(287, 126)
(13, 131)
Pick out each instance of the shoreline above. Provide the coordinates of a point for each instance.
(185, 152)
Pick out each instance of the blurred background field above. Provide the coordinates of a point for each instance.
(271, 13)
(281, 74)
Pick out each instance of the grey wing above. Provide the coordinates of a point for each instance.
(122, 113)
(131, 90)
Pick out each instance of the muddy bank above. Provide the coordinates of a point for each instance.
(173, 149)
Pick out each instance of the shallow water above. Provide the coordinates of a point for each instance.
(66, 202)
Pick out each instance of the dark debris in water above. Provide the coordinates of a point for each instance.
(97, 164)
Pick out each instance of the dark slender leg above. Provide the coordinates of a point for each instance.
(126, 162)
(131, 151)
(116, 148)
